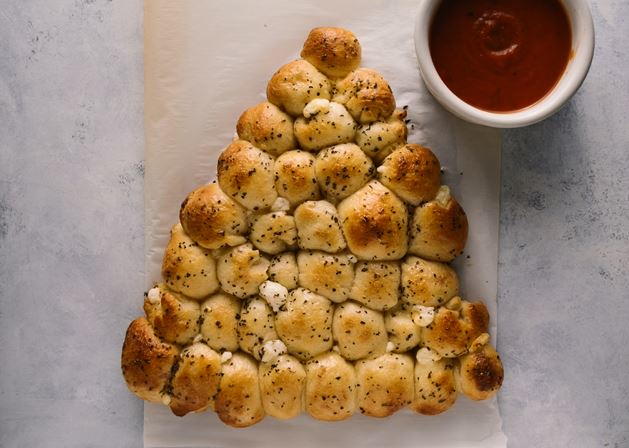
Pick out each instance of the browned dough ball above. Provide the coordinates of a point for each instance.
(435, 386)
(282, 383)
(267, 128)
(341, 170)
(304, 324)
(318, 227)
(453, 330)
(295, 177)
(330, 387)
(374, 223)
(481, 373)
(324, 123)
(296, 84)
(376, 284)
(366, 95)
(187, 267)
(213, 219)
(247, 175)
(385, 384)
(146, 361)
(238, 402)
(219, 328)
(358, 331)
(439, 228)
(381, 138)
(195, 383)
(428, 283)
(413, 172)
(175, 318)
(334, 51)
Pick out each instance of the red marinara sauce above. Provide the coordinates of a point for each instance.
(500, 55)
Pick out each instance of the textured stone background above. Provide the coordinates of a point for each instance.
(71, 237)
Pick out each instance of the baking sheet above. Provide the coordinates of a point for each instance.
(205, 62)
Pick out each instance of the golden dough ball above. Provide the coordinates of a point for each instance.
(212, 219)
(330, 387)
(428, 283)
(376, 284)
(402, 331)
(274, 232)
(374, 222)
(435, 386)
(266, 127)
(283, 270)
(380, 138)
(187, 267)
(359, 331)
(334, 51)
(241, 271)
(439, 228)
(255, 327)
(304, 324)
(324, 123)
(174, 318)
(412, 172)
(238, 402)
(282, 383)
(247, 175)
(219, 322)
(318, 227)
(296, 84)
(330, 275)
(195, 383)
(481, 373)
(366, 95)
(295, 177)
(342, 170)
(146, 361)
(453, 330)
(385, 384)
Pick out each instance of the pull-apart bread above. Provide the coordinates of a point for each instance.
(313, 275)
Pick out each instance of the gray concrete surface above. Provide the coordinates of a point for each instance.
(71, 238)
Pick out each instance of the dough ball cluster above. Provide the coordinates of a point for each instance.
(313, 275)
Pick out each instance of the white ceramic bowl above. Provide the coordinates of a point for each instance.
(576, 70)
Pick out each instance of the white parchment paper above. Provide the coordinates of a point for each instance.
(205, 62)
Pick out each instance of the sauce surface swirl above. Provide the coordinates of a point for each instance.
(500, 55)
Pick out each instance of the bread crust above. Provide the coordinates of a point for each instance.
(374, 223)
(267, 127)
(412, 172)
(187, 267)
(427, 283)
(334, 51)
(313, 276)
(282, 383)
(435, 387)
(330, 387)
(196, 380)
(296, 84)
(295, 177)
(304, 324)
(481, 373)
(246, 174)
(212, 219)
(174, 317)
(452, 331)
(238, 402)
(147, 361)
(366, 95)
(385, 384)
(439, 228)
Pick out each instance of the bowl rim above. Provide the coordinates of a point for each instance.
(582, 27)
